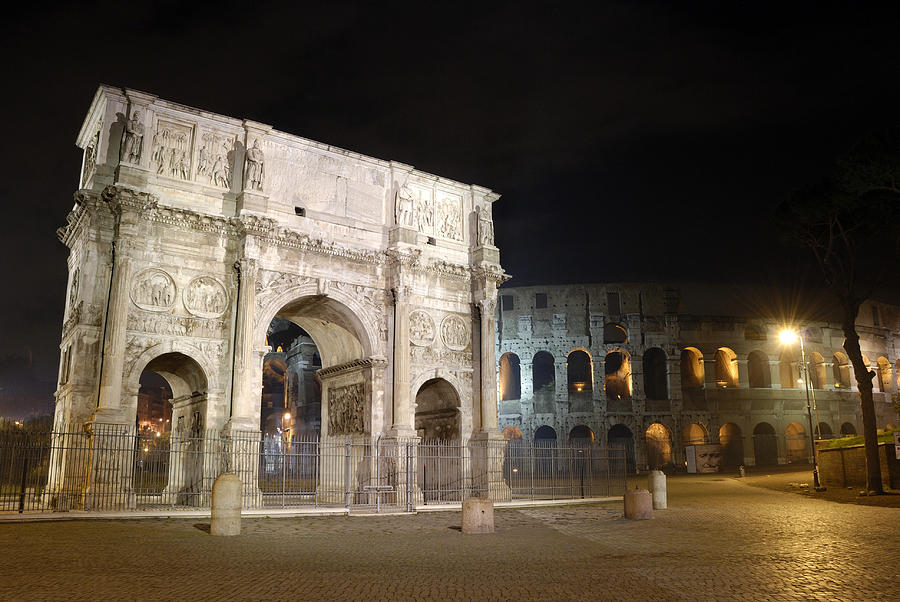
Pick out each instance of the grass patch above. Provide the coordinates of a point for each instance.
(885, 437)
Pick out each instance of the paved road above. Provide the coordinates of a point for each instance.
(719, 540)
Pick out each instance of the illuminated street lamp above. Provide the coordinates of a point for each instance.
(788, 337)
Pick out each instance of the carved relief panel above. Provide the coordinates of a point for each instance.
(206, 297)
(421, 328)
(448, 217)
(171, 151)
(215, 158)
(347, 409)
(455, 333)
(153, 290)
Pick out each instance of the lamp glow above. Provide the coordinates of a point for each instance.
(787, 337)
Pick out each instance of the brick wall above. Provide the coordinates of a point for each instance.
(846, 466)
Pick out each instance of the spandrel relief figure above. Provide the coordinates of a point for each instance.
(404, 204)
(485, 227)
(203, 163)
(133, 139)
(254, 173)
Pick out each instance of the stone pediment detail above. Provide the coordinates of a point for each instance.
(490, 272)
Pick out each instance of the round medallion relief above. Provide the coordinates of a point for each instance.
(455, 333)
(205, 297)
(153, 290)
(421, 328)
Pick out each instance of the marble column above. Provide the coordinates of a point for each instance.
(402, 411)
(488, 366)
(109, 406)
(244, 396)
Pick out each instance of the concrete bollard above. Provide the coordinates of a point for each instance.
(477, 515)
(638, 504)
(656, 483)
(226, 506)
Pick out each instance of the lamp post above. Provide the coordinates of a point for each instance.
(788, 337)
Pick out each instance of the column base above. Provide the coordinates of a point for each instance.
(488, 449)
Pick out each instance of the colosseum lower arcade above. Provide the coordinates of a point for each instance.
(659, 368)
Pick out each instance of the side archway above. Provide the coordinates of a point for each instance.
(765, 444)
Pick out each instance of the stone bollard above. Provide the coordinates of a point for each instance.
(225, 518)
(477, 515)
(638, 504)
(656, 483)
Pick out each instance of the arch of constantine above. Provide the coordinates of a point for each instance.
(203, 248)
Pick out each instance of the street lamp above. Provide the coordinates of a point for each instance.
(788, 337)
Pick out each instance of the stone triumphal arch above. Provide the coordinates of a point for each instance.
(194, 234)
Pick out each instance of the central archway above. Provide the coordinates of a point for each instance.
(340, 338)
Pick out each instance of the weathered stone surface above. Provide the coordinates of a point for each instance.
(477, 515)
(225, 516)
(656, 485)
(638, 504)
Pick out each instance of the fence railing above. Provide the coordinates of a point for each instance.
(114, 468)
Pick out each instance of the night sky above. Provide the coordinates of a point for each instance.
(630, 141)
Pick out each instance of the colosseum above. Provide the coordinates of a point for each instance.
(659, 368)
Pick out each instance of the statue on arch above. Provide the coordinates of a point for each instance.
(133, 139)
(255, 168)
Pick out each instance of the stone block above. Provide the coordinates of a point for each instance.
(226, 506)
(638, 504)
(477, 515)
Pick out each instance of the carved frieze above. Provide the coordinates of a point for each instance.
(421, 328)
(171, 152)
(205, 297)
(153, 290)
(347, 409)
(455, 333)
(165, 324)
(429, 356)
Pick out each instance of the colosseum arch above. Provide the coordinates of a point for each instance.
(883, 372)
(758, 373)
(841, 370)
(692, 372)
(656, 378)
(510, 377)
(614, 334)
(817, 370)
(617, 370)
(726, 368)
(543, 376)
(694, 434)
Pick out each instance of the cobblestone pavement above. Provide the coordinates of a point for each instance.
(719, 540)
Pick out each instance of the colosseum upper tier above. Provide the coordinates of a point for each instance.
(660, 367)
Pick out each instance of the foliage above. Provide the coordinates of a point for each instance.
(851, 440)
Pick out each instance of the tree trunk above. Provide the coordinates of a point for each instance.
(866, 402)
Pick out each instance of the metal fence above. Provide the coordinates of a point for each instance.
(115, 468)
